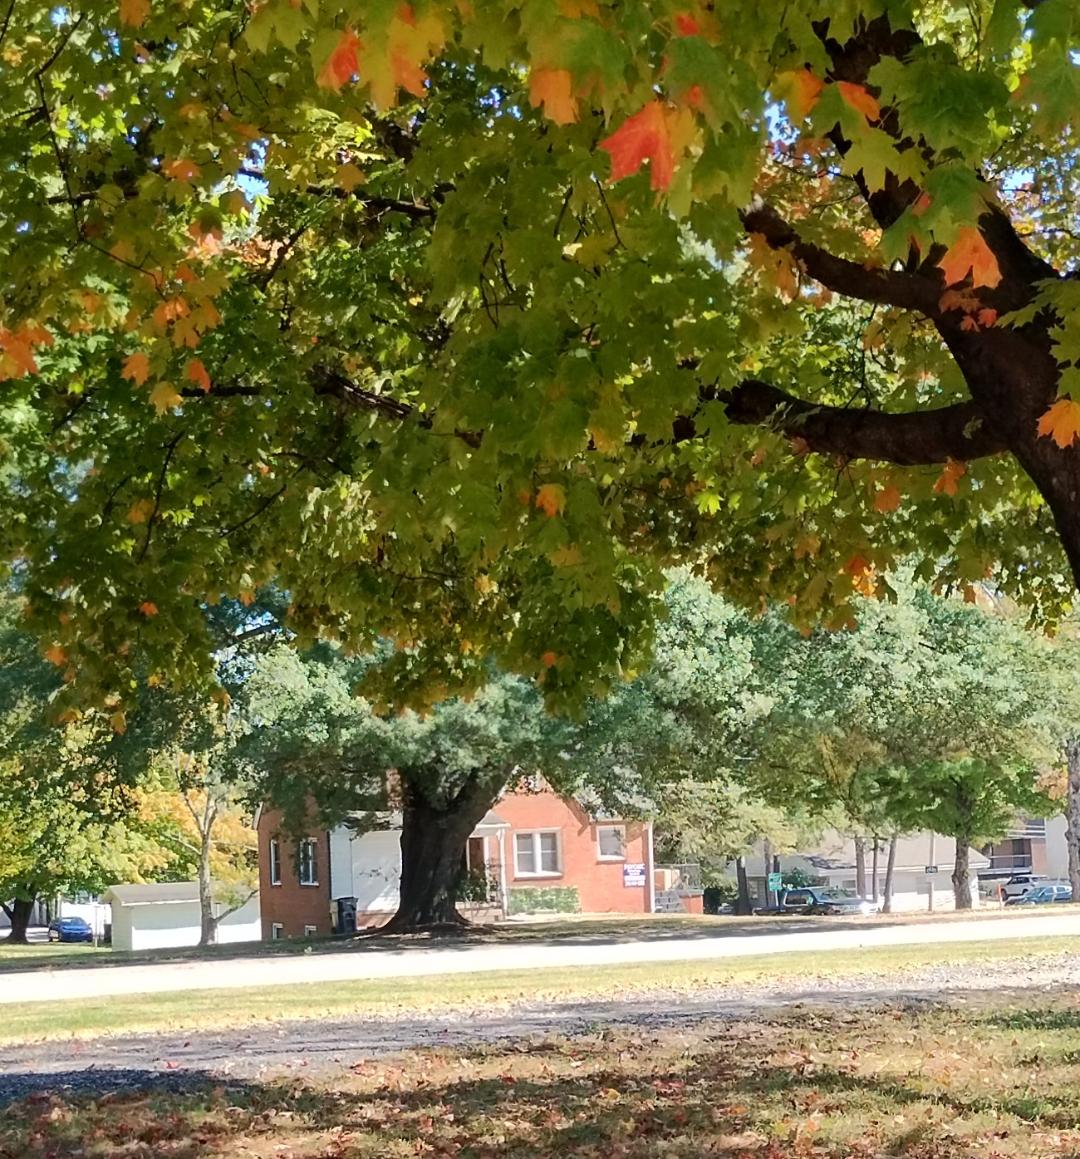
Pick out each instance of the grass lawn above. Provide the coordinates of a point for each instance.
(986, 1080)
(39, 953)
(209, 1009)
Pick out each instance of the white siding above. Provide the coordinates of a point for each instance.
(1057, 852)
(376, 871)
(341, 873)
(169, 924)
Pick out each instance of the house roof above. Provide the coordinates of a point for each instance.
(162, 893)
(492, 820)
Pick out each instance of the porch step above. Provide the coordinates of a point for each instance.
(668, 901)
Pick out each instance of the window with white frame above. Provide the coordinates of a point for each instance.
(277, 932)
(310, 931)
(308, 866)
(611, 842)
(275, 861)
(537, 854)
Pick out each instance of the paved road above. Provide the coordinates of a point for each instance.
(265, 1052)
(464, 958)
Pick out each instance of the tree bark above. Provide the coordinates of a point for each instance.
(743, 905)
(21, 911)
(767, 861)
(890, 871)
(961, 874)
(207, 921)
(860, 866)
(1072, 813)
(433, 839)
(874, 870)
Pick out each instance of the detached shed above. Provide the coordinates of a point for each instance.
(151, 917)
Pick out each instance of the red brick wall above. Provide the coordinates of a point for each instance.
(599, 883)
(291, 904)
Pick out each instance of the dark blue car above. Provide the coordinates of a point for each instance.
(70, 930)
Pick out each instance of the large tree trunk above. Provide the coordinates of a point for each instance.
(961, 874)
(860, 866)
(743, 905)
(20, 912)
(890, 872)
(874, 870)
(1072, 813)
(433, 840)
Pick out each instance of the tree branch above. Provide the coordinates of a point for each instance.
(909, 439)
(910, 291)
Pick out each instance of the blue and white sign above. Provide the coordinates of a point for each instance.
(633, 874)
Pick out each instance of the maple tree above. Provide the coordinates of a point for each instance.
(462, 322)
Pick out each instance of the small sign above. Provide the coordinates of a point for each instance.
(930, 870)
(633, 874)
(776, 880)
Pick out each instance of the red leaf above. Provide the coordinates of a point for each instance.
(646, 136)
(341, 65)
(148, 608)
(687, 25)
(196, 373)
(951, 475)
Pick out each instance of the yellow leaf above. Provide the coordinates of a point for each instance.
(134, 13)
(553, 88)
(136, 368)
(1061, 422)
(349, 177)
(164, 397)
(569, 556)
(118, 720)
(551, 499)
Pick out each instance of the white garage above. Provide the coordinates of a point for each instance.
(152, 917)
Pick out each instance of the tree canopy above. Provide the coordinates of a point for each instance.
(463, 321)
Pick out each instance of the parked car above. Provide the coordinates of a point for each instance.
(1019, 884)
(1044, 894)
(819, 900)
(70, 930)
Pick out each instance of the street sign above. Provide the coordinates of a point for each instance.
(633, 874)
(930, 870)
(776, 880)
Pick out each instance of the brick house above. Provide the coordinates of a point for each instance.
(536, 851)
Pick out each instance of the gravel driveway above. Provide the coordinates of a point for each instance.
(176, 1060)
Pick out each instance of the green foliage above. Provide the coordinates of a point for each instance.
(342, 298)
(558, 899)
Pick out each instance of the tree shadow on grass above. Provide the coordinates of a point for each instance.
(750, 1094)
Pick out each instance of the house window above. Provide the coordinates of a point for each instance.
(275, 861)
(308, 867)
(611, 842)
(277, 932)
(537, 854)
(310, 931)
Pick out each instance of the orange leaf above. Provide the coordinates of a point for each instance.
(341, 65)
(799, 90)
(552, 88)
(646, 136)
(549, 659)
(970, 253)
(140, 511)
(860, 99)
(134, 13)
(148, 608)
(887, 499)
(687, 25)
(181, 169)
(196, 373)
(136, 368)
(56, 655)
(987, 316)
(1061, 422)
(551, 499)
(118, 720)
(951, 475)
